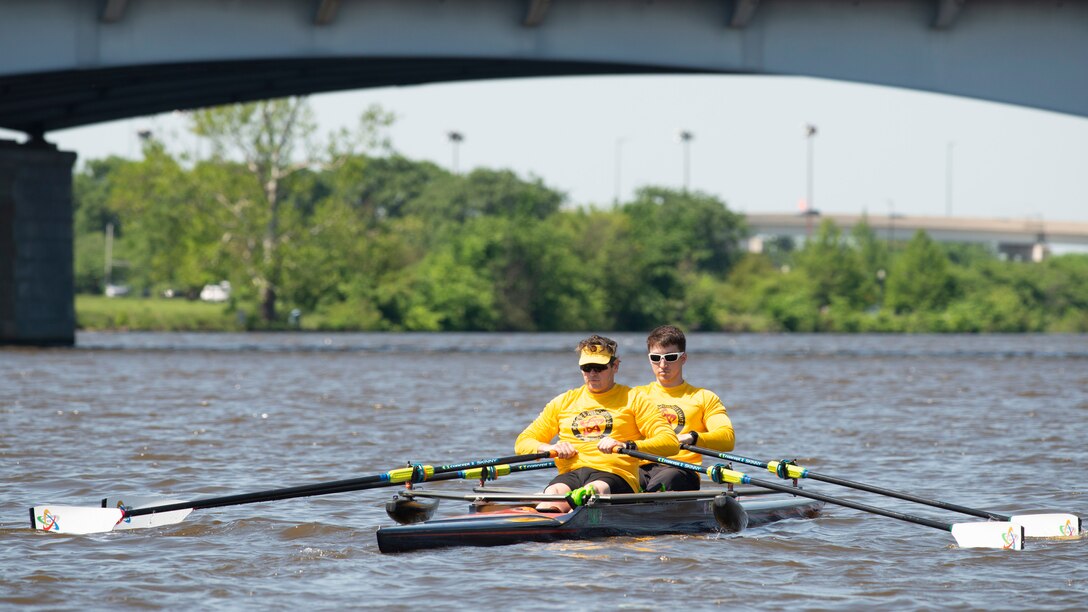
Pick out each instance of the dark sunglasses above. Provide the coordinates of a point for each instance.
(656, 357)
(594, 367)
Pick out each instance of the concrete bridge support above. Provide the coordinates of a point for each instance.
(36, 273)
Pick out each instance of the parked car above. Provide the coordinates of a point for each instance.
(216, 293)
(116, 290)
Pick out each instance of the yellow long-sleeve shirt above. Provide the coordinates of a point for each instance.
(582, 417)
(690, 408)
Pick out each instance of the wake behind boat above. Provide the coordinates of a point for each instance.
(497, 519)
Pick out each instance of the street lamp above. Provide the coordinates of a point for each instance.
(685, 138)
(891, 224)
(455, 140)
(619, 164)
(810, 209)
(948, 180)
(810, 136)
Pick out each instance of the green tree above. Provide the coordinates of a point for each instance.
(274, 140)
(920, 280)
(91, 188)
(608, 260)
(483, 193)
(874, 259)
(381, 188)
(835, 269)
(673, 237)
(538, 282)
(162, 232)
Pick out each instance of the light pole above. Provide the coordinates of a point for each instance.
(685, 139)
(948, 180)
(109, 256)
(891, 224)
(810, 209)
(810, 136)
(455, 141)
(619, 164)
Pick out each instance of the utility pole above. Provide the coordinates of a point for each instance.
(685, 139)
(109, 255)
(619, 165)
(455, 140)
(810, 208)
(948, 180)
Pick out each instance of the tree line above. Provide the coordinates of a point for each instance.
(359, 237)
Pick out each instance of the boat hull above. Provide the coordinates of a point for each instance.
(513, 525)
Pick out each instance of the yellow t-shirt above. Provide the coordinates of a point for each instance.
(690, 408)
(582, 418)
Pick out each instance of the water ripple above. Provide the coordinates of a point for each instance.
(995, 422)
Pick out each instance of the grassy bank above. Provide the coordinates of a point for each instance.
(96, 312)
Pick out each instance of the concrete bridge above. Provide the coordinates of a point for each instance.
(1021, 239)
(66, 63)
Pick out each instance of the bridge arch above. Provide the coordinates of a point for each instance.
(68, 63)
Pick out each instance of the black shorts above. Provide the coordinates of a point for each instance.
(658, 477)
(583, 476)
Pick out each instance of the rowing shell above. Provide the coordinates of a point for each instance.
(630, 515)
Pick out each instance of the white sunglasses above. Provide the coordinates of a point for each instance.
(656, 357)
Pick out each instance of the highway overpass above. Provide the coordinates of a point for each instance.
(1024, 239)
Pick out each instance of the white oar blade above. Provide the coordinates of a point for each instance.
(1048, 525)
(74, 519)
(991, 534)
(147, 520)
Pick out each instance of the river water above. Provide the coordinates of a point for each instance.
(997, 422)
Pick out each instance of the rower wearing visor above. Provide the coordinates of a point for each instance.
(695, 414)
(589, 424)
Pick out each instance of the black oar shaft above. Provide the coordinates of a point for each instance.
(523, 467)
(336, 486)
(861, 486)
(849, 504)
(795, 491)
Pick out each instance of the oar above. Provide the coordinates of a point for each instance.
(991, 534)
(80, 519)
(1035, 525)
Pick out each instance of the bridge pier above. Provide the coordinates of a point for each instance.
(36, 269)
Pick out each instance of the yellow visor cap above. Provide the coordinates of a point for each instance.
(595, 353)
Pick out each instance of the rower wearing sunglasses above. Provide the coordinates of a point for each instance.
(695, 414)
(591, 423)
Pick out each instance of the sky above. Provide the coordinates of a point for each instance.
(876, 149)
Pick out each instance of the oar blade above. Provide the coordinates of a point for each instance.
(73, 519)
(407, 509)
(731, 516)
(145, 521)
(1048, 525)
(991, 534)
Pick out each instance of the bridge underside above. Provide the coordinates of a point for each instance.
(38, 103)
(66, 63)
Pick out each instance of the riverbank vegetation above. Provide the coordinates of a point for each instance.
(350, 235)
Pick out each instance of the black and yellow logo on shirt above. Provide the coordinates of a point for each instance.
(674, 415)
(592, 424)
